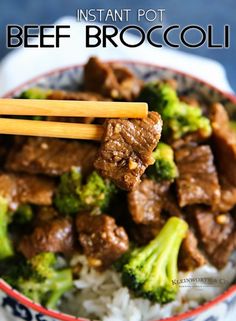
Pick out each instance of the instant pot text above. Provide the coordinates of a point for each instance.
(100, 31)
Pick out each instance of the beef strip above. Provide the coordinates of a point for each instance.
(51, 156)
(191, 139)
(222, 253)
(190, 100)
(190, 257)
(224, 143)
(143, 233)
(102, 240)
(228, 195)
(68, 95)
(197, 182)
(23, 188)
(45, 214)
(113, 81)
(170, 205)
(129, 84)
(147, 200)
(214, 231)
(126, 150)
(55, 235)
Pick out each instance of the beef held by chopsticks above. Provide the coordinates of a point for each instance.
(127, 147)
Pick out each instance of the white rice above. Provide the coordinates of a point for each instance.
(102, 296)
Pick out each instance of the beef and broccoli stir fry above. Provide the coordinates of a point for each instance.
(157, 196)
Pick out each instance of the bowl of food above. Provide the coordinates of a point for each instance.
(138, 227)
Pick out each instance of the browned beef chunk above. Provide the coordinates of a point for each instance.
(228, 196)
(147, 200)
(191, 139)
(45, 214)
(190, 100)
(112, 81)
(23, 188)
(197, 182)
(224, 141)
(51, 156)
(222, 253)
(126, 150)
(55, 235)
(129, 84)
(163, 205)
(214, 231)
(143, 233)
(102, 240)
(190, 257)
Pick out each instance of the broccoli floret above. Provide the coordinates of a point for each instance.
(179, 118)
(160, 97)
(23, 214)
(67, 199)
(14, 267)
(189, 119)
(39, 279)
(97, 192)
(35, 93)
(150, 270)
(164, 167)
(6, 249)
(72, 196)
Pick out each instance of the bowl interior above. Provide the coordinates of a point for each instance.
(71, 79)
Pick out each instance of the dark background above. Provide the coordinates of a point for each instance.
(182, 12)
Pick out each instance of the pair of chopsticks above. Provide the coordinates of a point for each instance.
(64, 108)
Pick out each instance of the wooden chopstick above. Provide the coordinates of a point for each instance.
(72, 108)
(50, 129)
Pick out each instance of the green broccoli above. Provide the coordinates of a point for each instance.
(23, 214)
(97, 192)
(164, 167)
(39, 279)
(35, 93)
(72, 196)
(160, 97)
(67, 198)
(6, 249)
(178, 117)
(150, 270)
